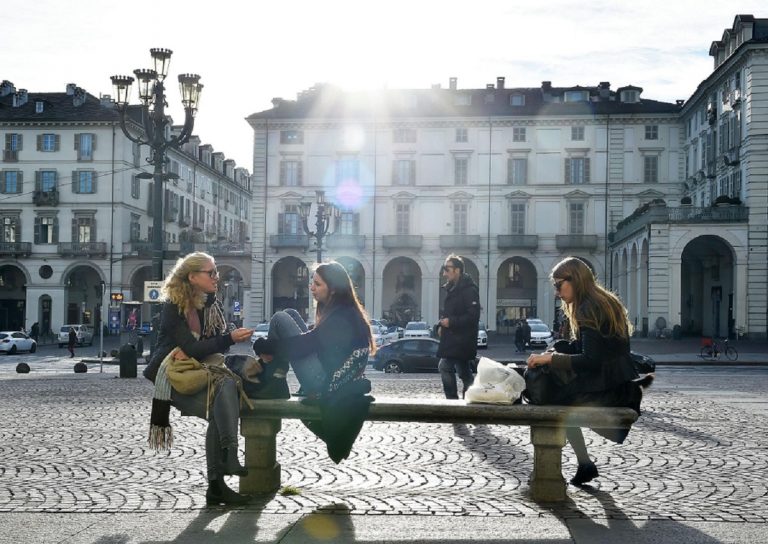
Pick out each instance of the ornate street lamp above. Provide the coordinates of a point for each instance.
(323, 214)
(157, 134)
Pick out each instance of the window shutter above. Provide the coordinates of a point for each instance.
(586, 170)
(395, 174)
(300, 173)
(20, 139)
(39, 142)
(37, 180)
(283, 173)
(38, 238)
(94, 181)
(357, 223)
(74, 230)
(567, 170)
(413, 173)
(281, 223)
(77, 142)
(55, 236)
(20, 179)
(93, 142)
(8, 141)
(75, 182)
(93, 230)
(57, 142)
(510, 166)
(524, 173)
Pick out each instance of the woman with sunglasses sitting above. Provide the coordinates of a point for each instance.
(192, 325)
(594, 367)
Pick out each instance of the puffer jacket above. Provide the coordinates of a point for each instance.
(462, 308)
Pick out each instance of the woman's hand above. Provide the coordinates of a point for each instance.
(179, 354)
(539, 359)
(241, 335)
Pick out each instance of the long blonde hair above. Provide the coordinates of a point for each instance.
(177, 288)
(592, 305)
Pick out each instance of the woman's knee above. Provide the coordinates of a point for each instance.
(282, 324)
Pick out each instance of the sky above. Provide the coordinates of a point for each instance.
(250, 52)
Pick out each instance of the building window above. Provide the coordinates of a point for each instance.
(13, 144)
(288, 221)
(577, 170)
(291, 173)
(576, 218)
(11, 181)
(402, 218)
(461, 136)
(347, 170)
(11, 228)
(404, 172)
(518, 134)
(46, 229)
(84, 182)
(462, 99)
(348, 223)
(291, 136)
(575, 96)
(135, 228)
(46, 180)
(404, 136)
(460, 170)
(135, 187)
(83, 229)
(39, 106)
(650, 169)
(630, 97)
(48, 142)
(577, 134)
(517, 100)
(460, 213)
(517, 171)
(651, 132)
(517, 216)
(85, 145)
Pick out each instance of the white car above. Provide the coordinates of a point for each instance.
(260, 331)
(540, 334)
(416, 329)
(14, 341)
(84, 334)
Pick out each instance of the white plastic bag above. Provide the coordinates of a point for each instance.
(495, 384)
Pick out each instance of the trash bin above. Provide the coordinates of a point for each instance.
(127, 356)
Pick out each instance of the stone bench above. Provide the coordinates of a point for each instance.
(261, 425)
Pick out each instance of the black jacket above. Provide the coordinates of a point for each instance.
(174, 331)
(462, 308)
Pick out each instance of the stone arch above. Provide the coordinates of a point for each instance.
(516, 293)
(13, 299)
(356, 273)
(290, 286)
(401, 291)
(83, 294)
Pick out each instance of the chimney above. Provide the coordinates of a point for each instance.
(78, 97)
(453, 83)
(489, 86)
(436, 86)
(71, 89)
(499, 82)
(6, 88)
(679, 102)
(277, 102)
(20, 98)
(106, 101)
(604, 90)
(546, 91)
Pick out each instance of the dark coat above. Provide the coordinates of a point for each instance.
(462, 308)
(174, 331)
(72, 338)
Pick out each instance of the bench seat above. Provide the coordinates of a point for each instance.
(261, 425)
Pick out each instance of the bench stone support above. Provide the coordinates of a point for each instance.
(547, 482)
(260, 455)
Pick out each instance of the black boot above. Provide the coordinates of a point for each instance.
(219, 493)
(230, 466)
(585, 473)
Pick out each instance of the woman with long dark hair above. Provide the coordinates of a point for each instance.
(595, 363)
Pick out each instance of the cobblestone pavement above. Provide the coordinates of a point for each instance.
(77, 443)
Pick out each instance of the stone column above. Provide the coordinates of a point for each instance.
(547, 482)
(260, 455)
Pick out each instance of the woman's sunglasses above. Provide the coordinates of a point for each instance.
(558, 283)
(212, 273)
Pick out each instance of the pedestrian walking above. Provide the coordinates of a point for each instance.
(71, 341)
(519, 338)
(34, 332)
(595, 365)
(526, 334)
(192, 329)
(458, 327)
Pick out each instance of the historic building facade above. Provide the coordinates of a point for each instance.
(514, 179)
(77, 220)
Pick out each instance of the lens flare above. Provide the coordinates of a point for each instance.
(349, 194)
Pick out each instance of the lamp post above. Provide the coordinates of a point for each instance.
(156, 126)
(323, 214)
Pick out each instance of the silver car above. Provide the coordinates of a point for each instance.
(84, 334)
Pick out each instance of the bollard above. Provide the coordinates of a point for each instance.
(128, 361)
(22, 368)
(80, 368)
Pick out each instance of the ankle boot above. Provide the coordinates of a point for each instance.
(219, 493)
(585, 473)
(230, 466)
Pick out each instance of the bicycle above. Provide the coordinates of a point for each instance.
(715, 348)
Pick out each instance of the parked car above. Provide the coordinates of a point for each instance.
(407, 355)
(416, 329)
(541, 335)
(260, 331)
(84, 334)
(14, 341)
(482, 336)
(381, 334)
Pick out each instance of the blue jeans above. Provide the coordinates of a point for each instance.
(448, 368)
(308, 369)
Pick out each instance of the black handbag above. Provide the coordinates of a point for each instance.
(543, 385)
(643, 363)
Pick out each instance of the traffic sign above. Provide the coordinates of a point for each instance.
(152, 291)
(236, 307)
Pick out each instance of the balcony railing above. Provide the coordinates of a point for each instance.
(345, 241)
(402, 241)
(282, 241)
(459, 241)
(576, 241)
(83, 248)
(226, 249)
(143, 249)
(682, 214)
(16, 249)
(517, 241)
(46, 198)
